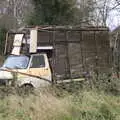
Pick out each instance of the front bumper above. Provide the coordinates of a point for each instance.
(5, 82)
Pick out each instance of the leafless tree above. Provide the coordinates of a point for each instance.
(19, 8)
(15, 9)
(104, 10)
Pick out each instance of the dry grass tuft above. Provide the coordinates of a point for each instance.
(43, 106)
(47, 105)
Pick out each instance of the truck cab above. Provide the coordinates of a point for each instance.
(27, 64)
(28, 69)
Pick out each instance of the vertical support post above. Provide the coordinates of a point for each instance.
(81, 51)
(96, 57)
(84, 51)
(67, 55)
(53, 57)
(116, 55)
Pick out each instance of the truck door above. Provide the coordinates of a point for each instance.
(39, 66)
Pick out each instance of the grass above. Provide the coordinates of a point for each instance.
(46, 105)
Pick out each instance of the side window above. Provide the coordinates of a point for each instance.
(38, 61)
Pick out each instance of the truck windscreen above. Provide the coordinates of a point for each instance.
(16, 62)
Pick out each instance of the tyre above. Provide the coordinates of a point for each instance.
(26, 89)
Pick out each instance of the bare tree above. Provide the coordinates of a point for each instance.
(19, 8)
(104, 10)
(15, 9)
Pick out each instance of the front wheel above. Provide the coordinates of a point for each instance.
(25, 89)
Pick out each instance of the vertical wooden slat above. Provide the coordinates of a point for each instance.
(67, 55)
(54, 57)
(81, 51)
(97, 55)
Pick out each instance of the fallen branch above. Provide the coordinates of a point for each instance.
(13, 71)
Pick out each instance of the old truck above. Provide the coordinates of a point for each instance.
(37, 56)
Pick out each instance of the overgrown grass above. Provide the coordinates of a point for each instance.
(46, 105)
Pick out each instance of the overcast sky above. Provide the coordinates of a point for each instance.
(114, 20)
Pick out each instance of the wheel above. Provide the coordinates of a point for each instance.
(25, 89)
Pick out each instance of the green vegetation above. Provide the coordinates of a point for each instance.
(72, 102)
(44, 105)
(2, 39)
(55, 12)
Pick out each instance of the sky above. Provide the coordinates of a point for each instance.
(113, 20)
